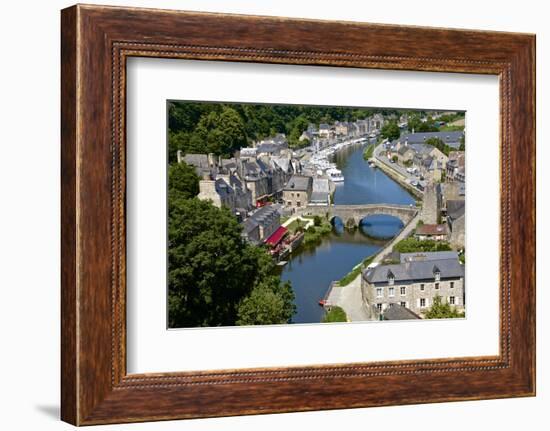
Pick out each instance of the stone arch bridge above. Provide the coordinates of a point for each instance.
(405, 213)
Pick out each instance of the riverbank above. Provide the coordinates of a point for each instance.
(311, 269)
(346, 292)
(393, 173)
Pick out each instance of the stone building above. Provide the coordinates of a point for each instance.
(297, 192)
(262, 223)
(456, 219)
(226, 191)
(435, 232)
(413, 284)
(431, 204)
(456, 167)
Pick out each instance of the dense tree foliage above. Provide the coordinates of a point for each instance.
(441, 310)
(440, 145)
(390, 130)
(215, 277)
(183, 181)
(222, 128)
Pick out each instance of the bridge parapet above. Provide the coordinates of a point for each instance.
(405, 213)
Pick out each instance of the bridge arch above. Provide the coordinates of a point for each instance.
(405, 213)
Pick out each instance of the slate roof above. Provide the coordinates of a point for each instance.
(404, 148)
(321, 185)
(397, 312)
(428, 255)
(415, 270)
(319, 197)
(196, 160)
(282, 162)
(455, 208)
(450, 138)
(299, 182)
(262, 217)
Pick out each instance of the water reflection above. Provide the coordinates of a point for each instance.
(312, 269)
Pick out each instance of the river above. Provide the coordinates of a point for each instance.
(312, 269)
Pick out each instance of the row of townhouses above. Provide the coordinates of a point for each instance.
(350, 129)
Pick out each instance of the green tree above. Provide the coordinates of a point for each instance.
(427, 126)
(270, 302)
(335, 314)
(210, 267)
(317, 221)
(441, 310)
(390, 130)
(462, 144)
(439, 144)
(183, 182)
(212, 271)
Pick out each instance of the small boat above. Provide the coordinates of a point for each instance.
(322, 302)
(335, 175)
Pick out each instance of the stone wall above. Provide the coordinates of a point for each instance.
(414, 293)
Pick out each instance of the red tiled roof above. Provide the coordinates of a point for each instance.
(277, 236)
(431, 229)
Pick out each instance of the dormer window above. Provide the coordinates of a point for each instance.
(437, 273)
(391, 278)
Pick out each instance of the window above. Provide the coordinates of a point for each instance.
(379, 307)
(292, 194)
(298, 204)
(452, 300)
(289, 203)
(422, 287)
(452, 284)
(391, 291)
(422, 302)
(403, 304)
(403, 290)
(436, 286)
(379, 292)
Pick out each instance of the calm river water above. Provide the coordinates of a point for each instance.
(313, 269)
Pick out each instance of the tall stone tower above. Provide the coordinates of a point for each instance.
(431, 205)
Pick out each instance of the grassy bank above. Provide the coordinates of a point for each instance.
(350, 276)
(369, 151)
(313, 234)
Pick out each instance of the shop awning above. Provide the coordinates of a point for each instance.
(277, 236)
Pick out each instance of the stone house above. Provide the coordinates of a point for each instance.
(456, 167)
(413, 284)
(297, 192)
(405, 154)
(435, 232)
(226, 190)
(262, 223)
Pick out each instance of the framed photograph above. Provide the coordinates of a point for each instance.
(265, 215)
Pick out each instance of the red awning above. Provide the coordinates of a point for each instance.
(277, 236)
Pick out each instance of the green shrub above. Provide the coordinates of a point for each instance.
(335, 314)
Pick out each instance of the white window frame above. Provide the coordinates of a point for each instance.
(379, 292)
(403, 290)
(420, 302)
(452, 300)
